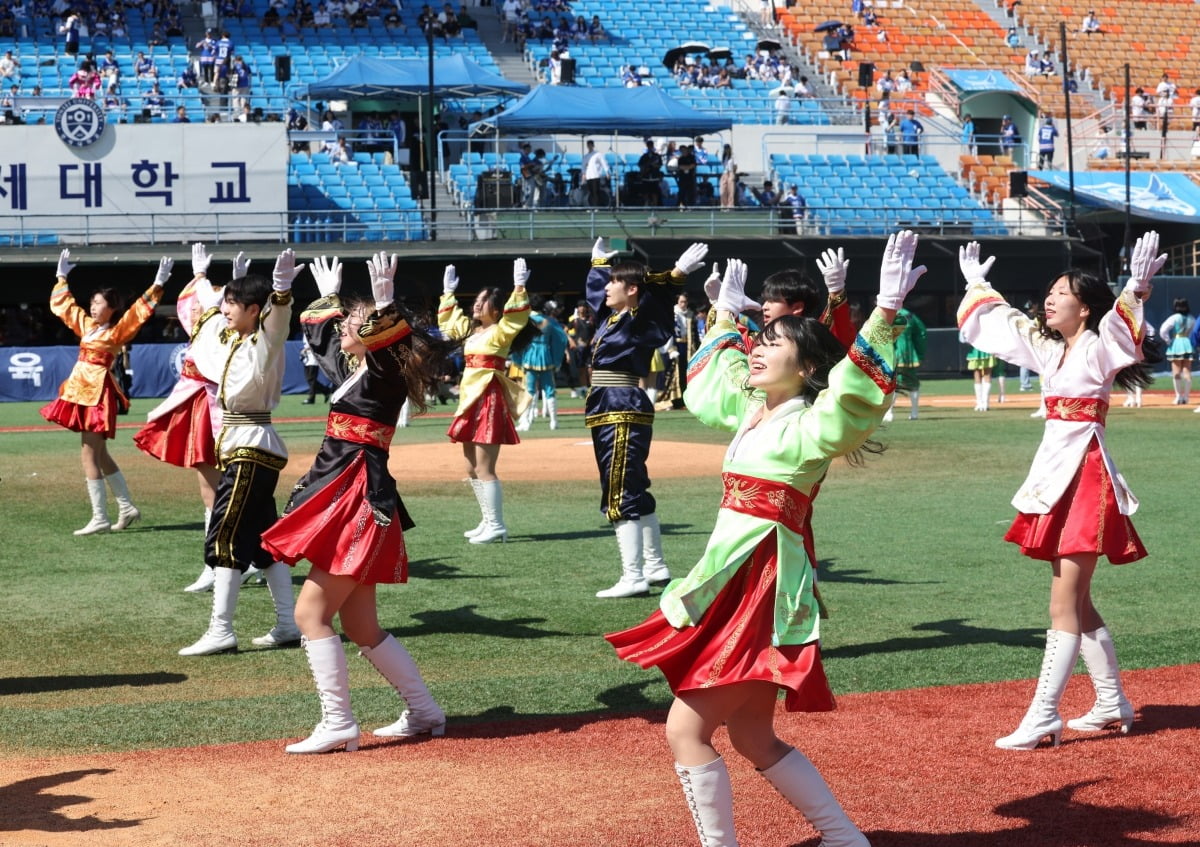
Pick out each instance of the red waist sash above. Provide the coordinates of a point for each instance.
(96, 357)
(359, 430)
(481, 360)
(1088, 409)
(764, 498)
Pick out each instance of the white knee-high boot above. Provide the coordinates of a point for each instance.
(1177, 384)
(204, 582)
(397, 666)
(98, 495)
(1111, 706)
(476, 486)
(285, 631)
(492, 499)
(552, 411)
(526, 420)
(914, 400)
(709, 796)
(985, 395)
(1186, 384)
(978, 397)
(887, 416)
(1000, 388)
(332, 677)
(795, 777)
(219, 637)
(127, 513)
(632, 581)
(405, 412)
(1042, 718)
(654, 569)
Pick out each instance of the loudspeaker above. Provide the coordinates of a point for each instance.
(1017, 182)
(866, 74)
(566, 74)
(495, 190)
(283, 68)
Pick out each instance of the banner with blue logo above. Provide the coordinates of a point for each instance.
(35, 373)
(1161, 196)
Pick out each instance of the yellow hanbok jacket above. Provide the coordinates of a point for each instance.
(494, 341)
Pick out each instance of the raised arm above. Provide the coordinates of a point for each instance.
(452, 323)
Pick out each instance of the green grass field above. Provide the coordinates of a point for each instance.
(921, 588)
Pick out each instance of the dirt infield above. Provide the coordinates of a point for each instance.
(914, 768)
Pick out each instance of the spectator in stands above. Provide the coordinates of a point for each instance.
(685, 176)
(187, 78)
(270, 19)
(340, 154)
(1137, 108)
(1047, 132)
(1163, 108)
(511, 13)
(1165, 87)
(595, 172)
(845, 36)
(630, 77)
(1033, 63)
(904, 83)
(554, 68)
(968, 135)
(911, 131)
(1013, 39)
(596, 30)
(85, 82)
(1194, 103)
(154, 101)
(1090, 24)
(869, 18)
(1010, 137)
(891, 128)
(650, 174)
(766, 196)
(885, 85)
(799, 208)
(144, 67)
(449, 21)
(224, 52)
(1101, 150)
(783, 105)
(298, 122)
(241, 83)
(1196, 143)
(181, 116)
(729, 178)
(69, 30)
(208, 55)
(1046, 65)
(10, 67)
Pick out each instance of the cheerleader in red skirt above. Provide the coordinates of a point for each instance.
(345, 515)
(744, 623)
(489, 403)
(89, 399)
(182, 430)
(1074, 506)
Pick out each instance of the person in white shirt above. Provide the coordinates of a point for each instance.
(1090, 24)
(511, 10)
(595, 171)
(1165, 86)
(783, 105)
(1033, 63)
(1195, 104)
(1137, 109)
(9, 66)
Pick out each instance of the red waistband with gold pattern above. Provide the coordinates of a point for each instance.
(763, 498)
(96, 357)
(359, 430)
(1090, 409)
(480, 360)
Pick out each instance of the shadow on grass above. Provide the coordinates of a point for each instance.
(438, 569)
(604, 532)
(26, 807)
(466, 621)
(827, 571)
(40, 684)
(1053, 819)
(952, 632)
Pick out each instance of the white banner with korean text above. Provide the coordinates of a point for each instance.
(146, 183)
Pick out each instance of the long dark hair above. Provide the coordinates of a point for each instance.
(495, 298)
(817, 351)
(421, 355)
(1099, 299)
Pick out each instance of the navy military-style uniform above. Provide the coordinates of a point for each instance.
(618, 412)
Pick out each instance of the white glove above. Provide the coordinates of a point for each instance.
(968, 261)
(600, 250)
(285, 271)
(732, 297)
(712, 285)
(241, 266)
(208, 295)
(1144, 264)
(164, 271)
(897, 276)
(449, 280)
(520, 273)
(200, 260)
(692, 259)
(383, 274)
(64, 264)
(328, 275)
(833, 266)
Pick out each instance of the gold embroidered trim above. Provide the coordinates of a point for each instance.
(605, 418)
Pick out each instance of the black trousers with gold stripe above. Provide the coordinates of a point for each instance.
(621, 419)
(243, 510)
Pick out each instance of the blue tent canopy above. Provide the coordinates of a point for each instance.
(1159, 196)
(370, 76)
(647, 110)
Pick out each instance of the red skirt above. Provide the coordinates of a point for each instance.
(486, 421)
(1086, 519)
(101, 418)
(183, 437)
(732, 642)
(336, 531)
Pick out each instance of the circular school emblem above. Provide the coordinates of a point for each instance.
(79, 122)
